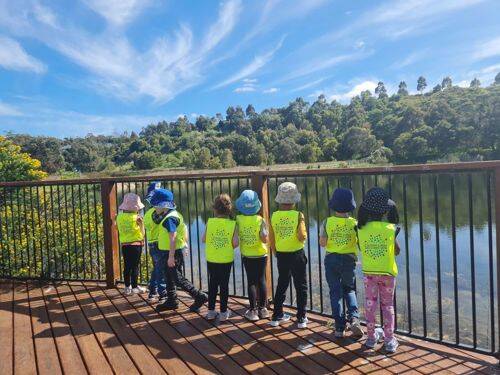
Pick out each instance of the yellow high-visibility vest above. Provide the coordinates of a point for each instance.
(285, 225)
(249, 235)
(377, 245)
(341, 234)
(219, 240)
(152, 229)
(180, 239)
(128, 229)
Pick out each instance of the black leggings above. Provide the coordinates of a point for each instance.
(256, 277)
(218, 277)
(131, 256)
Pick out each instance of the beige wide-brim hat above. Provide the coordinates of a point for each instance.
(131, 202)
(287, 194)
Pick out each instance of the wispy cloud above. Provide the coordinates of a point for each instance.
(9, 110)
(271, 90)
(245, 88)
(14, 57)
(118, 12)
(257, 63)
(487, 49)
(347, 92)
(172, 63)
(409, 60)
(309, 85)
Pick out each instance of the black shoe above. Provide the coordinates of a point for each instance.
(167, 305)
(199, 301)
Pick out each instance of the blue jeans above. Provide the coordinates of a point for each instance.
(339, 271)
(157, 280)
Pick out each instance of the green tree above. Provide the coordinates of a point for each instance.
(475, 83)
(16, 165)
(329, 149)
(380, 90)
(437, 88)
(357, 143)
(421, 84)
(497, 79)
(402, 89)
(446, 83)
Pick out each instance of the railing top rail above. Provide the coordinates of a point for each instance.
(393, 169)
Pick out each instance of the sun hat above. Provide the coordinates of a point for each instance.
(248, 202)
(151, 189)
(377, 201)
(342, 200)
(131, 202)
(163, 198)
(287, 193)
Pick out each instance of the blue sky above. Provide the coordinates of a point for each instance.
(68, 68)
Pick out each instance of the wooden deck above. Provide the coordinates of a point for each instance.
(76, 328)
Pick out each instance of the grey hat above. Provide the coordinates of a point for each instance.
(287, 194)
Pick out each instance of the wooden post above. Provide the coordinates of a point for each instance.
(111, 243)
(497, 228)
(260, 185)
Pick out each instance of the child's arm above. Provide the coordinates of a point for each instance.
(301, 229)
(140, 223)
(236, 240)
(272, 241)
(264, 233)
(397, 248)
(323, 236)
(204, 237)
(171, 253)
(187, 242)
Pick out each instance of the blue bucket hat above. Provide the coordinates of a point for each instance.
(248, 203)
(342, 200)
(377, 201)
(151, 189)
(163, 198)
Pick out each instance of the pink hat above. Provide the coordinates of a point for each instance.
(131, 202)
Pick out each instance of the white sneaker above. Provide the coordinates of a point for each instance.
(223, 316)
(211, 315)
(339, 334)
(127, 291)
(138, 290)
(302, 322)
(379, 336)
(276, 321)
(356, 328)
(252, 315)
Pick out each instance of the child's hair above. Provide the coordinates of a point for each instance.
(365, 216)
(223, 205)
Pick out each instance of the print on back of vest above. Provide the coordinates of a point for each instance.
(341, 235)
(376, 246)
(285, 228)
(220, 239)
(247, 236)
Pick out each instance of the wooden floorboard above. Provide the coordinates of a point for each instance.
(84, 328)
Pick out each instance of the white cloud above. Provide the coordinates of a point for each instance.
(14, 57)
(257, 63)
(170, 65)
(271, 90)
(355, 88)
(308, 85)
(244, 89)
(8, 110)
(250, 80)
(487, 49)
(118, 12)
(409, 60)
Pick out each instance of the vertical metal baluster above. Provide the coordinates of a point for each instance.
(306, 195)
(84, 258)
(407, 256)
(27, 233)
(76, 252)
(96, 220)
(120, 256)
(19, 227)
(33, 231)
(185, 223)
(271, 260)
(68, 239)
(3, 263)
(472, 261)
(8, 247)
(89, 232)
(490, 263)
(54, 251)
(422, 254)
(47, 237)
(197, 233)
(454, 242)
(61, 237)
(395, 299)
(320, 266)
(438, 259)
(241, 259)
(14, 235)
(233, 269)
(189, 223)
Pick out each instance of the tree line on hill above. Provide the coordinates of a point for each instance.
(447, 123)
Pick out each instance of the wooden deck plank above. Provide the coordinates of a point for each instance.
(93, 356)
(271, 359)
(162, 351)
(193, 358)
(139, 352)
(244, 358)
(24, 349)
(118, 358)
(69, 353)
(6, 327)
(45, 344)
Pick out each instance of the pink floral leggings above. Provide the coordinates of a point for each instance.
(382, 285)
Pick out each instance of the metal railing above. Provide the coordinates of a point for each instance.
(447, 289)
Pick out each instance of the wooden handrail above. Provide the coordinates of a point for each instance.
(395, 169)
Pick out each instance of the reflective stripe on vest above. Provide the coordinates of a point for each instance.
(128, 229)
(376, 241)
(219, 240)
(341, 234)
(249, 235)
(152, 229)
(285, 224)
(180, 238)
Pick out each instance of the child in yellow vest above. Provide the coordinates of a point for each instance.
(379, 247)
(220, 240)
(172, 242)
(287, 237)
(131, 234)
(157, 279)
(253, 237)
(338, 237)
